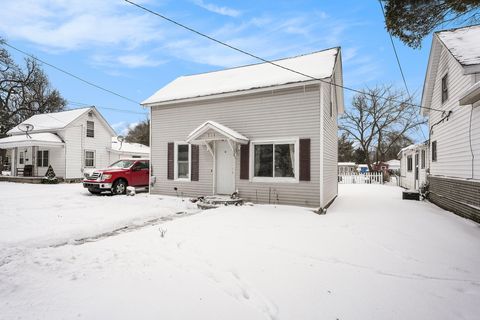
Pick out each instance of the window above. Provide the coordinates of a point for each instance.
(424, 158)
(445, 88)
(142, 165)
(90, 129)
(434, 151)
(90, 159)
(409, 163)
(274, 160)
(182, 161)
(21, 159)
(42, 158)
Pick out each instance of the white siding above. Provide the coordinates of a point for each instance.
(452, 136)
(277, 114)
(56, 158)
(77, 142)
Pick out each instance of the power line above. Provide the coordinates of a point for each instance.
(82, 104)
(399, 64)
(265, 60)
(69, 73)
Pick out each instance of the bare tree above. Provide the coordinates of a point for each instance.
(24, 92)
(140, 133)
(378, 119)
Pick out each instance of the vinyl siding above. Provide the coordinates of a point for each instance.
(330, 134)
(286, 113)
(454, 158)
(56, 158)
(77, 142)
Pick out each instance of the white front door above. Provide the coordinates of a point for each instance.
(224, 168)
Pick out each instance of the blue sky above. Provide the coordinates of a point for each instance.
(124, 49)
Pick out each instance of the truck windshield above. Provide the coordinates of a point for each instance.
(124, 164)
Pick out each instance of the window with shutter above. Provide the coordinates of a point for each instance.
(275, 161)
(304, 159)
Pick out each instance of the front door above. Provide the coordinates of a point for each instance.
(225, 168)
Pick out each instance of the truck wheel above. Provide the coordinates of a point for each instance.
(93, 191)
(119, 187)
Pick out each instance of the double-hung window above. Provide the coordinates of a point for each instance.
(21, 159)
(89, 159)
(42, 158)
(445, 88)
(275, 161)
(90, 129)
(434, 151)
(182, 161)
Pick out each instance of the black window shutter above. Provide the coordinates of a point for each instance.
(170, 161)
(244, 161)
(304, 159)
(195, 163)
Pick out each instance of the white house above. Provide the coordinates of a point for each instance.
(70, 141)
(347, 168)
(452, 88)
(268, 133)
(413, 166)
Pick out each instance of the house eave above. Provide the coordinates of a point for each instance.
(232, 93)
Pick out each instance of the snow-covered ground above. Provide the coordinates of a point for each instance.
(372, 256)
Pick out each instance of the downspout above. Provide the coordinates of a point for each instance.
(321, 146)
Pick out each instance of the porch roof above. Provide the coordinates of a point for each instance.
(217, 132)
(45, 139)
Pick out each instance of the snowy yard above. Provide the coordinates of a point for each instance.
(372, 256)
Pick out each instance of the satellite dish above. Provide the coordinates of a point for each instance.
(25, 127)
(120, 139)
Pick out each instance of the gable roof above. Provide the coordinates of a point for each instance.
(128, 147)
(463, 44)
(217, 127)
(58, 120)
(318, 64)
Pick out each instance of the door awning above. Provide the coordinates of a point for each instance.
(212, 131)
(45, 139)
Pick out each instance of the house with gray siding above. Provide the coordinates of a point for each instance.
(452, 88)
(265, 132)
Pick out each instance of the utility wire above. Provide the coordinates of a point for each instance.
(69, 73)
(82, 104)
(268, 61)
(399, 64)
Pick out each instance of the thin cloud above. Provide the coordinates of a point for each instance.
(224, 11)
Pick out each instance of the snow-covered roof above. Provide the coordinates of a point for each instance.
(127, 147)
(318, 64)
(223, 130)
(345, 164)
(463, 43)
(51, 121)
(32, 139)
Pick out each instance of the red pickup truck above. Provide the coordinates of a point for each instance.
(119, 175)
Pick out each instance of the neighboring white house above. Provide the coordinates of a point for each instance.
(452, 87)
(70, 141)
(266, 132)
(413, 166)
(121, 150)
(393, 165)
(347, 168)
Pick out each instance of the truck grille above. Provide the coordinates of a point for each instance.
(93, 176)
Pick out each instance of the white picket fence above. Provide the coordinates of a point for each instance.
(362, 178)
